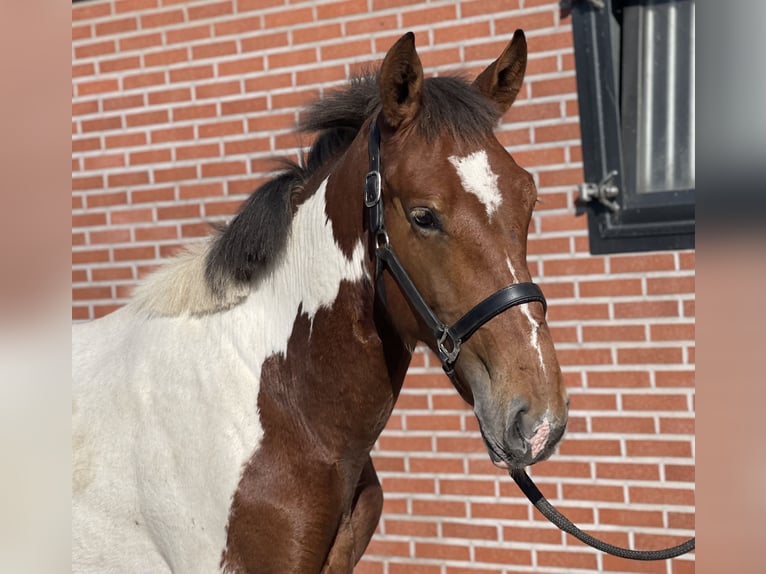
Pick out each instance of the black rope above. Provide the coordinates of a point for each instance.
(549, 511)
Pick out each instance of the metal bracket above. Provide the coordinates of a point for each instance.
(604, 192)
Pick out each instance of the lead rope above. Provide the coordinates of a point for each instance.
(563, 523)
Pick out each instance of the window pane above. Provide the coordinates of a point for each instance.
(658, 95)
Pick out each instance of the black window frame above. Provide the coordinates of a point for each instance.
(624, 220)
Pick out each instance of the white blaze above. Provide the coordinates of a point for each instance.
(477, 178)
(534, 340)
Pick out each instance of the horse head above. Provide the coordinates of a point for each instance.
(457, 210)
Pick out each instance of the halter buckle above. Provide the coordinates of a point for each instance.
(372, 187)
(447, 355)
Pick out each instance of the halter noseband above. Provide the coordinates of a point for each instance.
(448, 338)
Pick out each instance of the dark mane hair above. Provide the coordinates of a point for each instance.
(260, 230)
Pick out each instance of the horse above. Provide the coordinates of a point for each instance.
(223, 419)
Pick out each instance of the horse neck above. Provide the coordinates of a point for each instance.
(344, 363)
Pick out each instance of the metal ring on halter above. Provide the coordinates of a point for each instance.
(448, 356)
(381, 238)
(372, 187)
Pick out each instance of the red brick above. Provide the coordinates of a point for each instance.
(194, 112)
(557, 133)
(157, 19)
(224, 168)
(165, 135)
(86, 11)
(664, 496)
(85, 293)
(97, 87)
(143, 80)
(618, 379)
(590, 447)
(567, 559)
(87, 182)
(123, 102)
(88, 220)
(156, 233)
(182, 211)
(648, 356)
(410, 528)
(614, 333)
(140, 42)
(627, 471)
(653, 309)
(217, 89)
(670, 285)
(561, 177)
(439, 465)
(118, 64)
(134, 253)
(191, 73)
(644, 402)
(134, 5)
(187, 34)
(442, 551)
(174, 174)
(615, 564)
(241, 66)
(466, 487)
(343, 50)
(170, 95)
(477, 7)
(287, 17)
(623, 425)
(147, 118)
(610, 288)
(94, 49)
(259, 42)
(128, 178)
(125, 140)
(152, 194)
(197, 151)
(502, 555)
(658, 448)
(247, 146)
(116, 26)
(150, 156)
(568, 357)
(677, 425)
(166, 57)
(111, 273)
(106, 199)
(679, 472)
(243, 106)
(110, 236)
(218, 129)
(102, 124)
(90, 256)
(130, 216)
(214, 50)
(292, 58)
(210, 10)
(202, 229)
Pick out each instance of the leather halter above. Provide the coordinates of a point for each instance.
(448, 338)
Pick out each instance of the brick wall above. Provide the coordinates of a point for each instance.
(177, 107)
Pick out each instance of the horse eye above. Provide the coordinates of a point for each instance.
(424, 218)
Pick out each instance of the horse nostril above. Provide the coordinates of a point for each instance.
(518, 425)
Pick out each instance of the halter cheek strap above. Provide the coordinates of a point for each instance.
(448, 338)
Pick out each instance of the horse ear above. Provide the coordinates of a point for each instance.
(401, 82)
(501, 80)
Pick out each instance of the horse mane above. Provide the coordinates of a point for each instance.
(218, 273)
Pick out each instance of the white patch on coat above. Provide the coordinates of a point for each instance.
(534, 339)
(164, 410)
(477, 178)
(180, 287)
